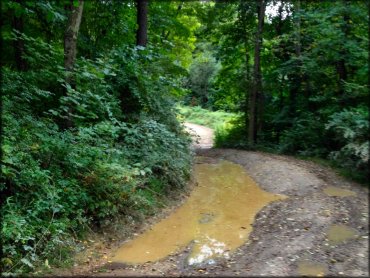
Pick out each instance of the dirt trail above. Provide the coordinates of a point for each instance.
(202, 136)
(303, 234)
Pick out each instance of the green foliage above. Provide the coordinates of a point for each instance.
(83, 148)
(212, 119)
(314, 64)
(351, 128)
(123, 153)
(200, 82)
(304, 137)
(231, 135)
(58, 182)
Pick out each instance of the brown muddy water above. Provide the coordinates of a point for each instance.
(339, 233)
(215, 220)
(308, 268)
(338, 192)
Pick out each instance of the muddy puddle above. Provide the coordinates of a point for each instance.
(339, 233)
(214, 220)
(308, 268)
(338, 192)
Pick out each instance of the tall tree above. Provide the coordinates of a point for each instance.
(256, 90)
(295, 77)
(70, 45)
(71, 34)
(341, 64)
(245, 11)
(142, 22)
(18, 26)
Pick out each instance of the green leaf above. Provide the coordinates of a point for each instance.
(27, 262)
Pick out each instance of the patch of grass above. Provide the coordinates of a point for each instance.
(211, 119)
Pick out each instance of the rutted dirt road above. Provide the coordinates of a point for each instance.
(320, 229)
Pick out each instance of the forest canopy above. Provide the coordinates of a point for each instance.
(90, 127)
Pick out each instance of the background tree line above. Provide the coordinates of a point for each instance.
(298, 72)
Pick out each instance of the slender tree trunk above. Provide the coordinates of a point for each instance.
(243, 9)
(142, 22)
(70, 46)
(296, 79)
(256, 91)
(18, 25)
(341, 64)
(71, 34)
(247, 82)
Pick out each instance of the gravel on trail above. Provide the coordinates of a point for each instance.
(290, 236)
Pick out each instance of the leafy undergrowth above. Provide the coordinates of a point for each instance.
(113, 162)
(211, 119)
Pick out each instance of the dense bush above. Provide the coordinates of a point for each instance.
(304, 137)
(351, 128)
(57, 181)
(231, 135)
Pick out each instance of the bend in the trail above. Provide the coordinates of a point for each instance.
(320, 229)
(202, 136)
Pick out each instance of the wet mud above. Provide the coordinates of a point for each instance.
(216, 219)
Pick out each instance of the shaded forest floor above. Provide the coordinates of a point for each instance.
(289, 237)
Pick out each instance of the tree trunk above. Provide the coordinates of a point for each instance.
(295, 78)
(71, 33)
(243, 10)
(256, 91)
(70, 47)
(341, 64)
(18, 44)
(142, 22)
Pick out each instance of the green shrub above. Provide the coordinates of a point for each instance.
(56, 183)
(211, 119)
(231, 135)
(351, 128)
(304, 137)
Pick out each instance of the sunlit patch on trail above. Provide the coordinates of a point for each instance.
(217, 218)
